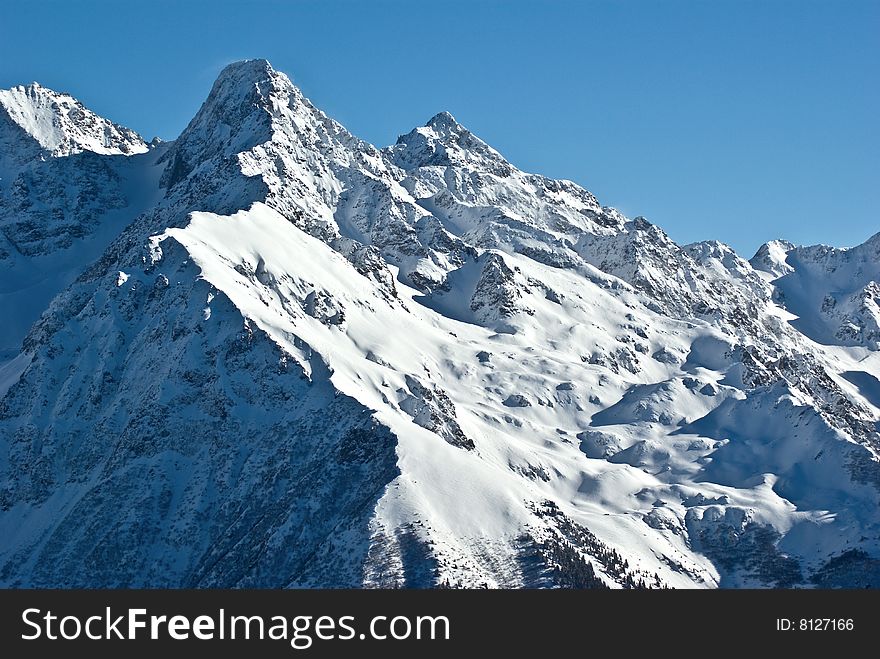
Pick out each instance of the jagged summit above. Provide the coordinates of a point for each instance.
(242, 90)
(833, 291)
(250, 81)
(59, 125)
(444, 122)
(236, 116)
(771, 258)
(442, 141)
(713, 249)
(257, 68)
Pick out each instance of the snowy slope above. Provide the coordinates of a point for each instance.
(304, 361)
(59, 216)
(70, 182)
(834, 292)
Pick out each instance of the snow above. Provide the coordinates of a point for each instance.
(771, 259)
(11, 370)
(833, 292)
(659, 426)
(62, 126)
(29, 282)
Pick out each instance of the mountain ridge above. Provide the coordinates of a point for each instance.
(60, 125)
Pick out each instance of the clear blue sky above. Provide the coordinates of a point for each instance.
(741, 121)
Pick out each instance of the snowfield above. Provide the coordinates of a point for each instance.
(270, 354)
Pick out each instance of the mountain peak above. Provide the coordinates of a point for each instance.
(444, 141)
(250, 69)
(444, 122)
(60, 125)
(247, 84)
(772, 257)
(250, 80)
(236, 115)
(252, 105)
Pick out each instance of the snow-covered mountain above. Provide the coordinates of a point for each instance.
(69, 183)
(39, 122)
(271, 354)
(833, 291)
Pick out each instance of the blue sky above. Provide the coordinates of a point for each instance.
(741, 121)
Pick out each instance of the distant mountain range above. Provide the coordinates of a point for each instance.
(270, 354)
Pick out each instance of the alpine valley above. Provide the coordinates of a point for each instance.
(269, 354)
